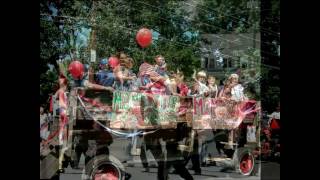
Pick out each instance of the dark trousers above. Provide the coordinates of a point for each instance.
(80, 148)
(143, 155)
(176, 161)
(195, 157)
(164, 166)
(195, 160)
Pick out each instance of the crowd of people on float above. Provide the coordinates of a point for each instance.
(117, 74)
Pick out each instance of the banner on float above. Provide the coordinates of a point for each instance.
(216, 113)
(133, 110)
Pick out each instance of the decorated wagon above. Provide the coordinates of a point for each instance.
(128, 114)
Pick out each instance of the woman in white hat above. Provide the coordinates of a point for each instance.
(236, 88)
(199, 87)
(233, 89)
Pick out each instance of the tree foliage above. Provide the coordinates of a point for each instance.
(69, 29)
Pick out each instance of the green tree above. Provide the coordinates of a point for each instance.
(118, 23)
(222, 16)
(115, 24)
(57, 38)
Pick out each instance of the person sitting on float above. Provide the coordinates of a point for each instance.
(213, 88)
(161, 66)
(150, 81)
(123, 73)
(237, 93)
(80, 75)
(133, 77)
(144, 81)
(232, 89)
(175, 84)
(105, 76)
(182, 88)
(199, 87)
(158, 84)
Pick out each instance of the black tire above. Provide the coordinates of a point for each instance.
(244, 162)
(104, 164)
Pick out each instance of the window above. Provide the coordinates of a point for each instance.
(211, 64)
(227, 63)
(230, 63)
(206, 61)
(244, 65)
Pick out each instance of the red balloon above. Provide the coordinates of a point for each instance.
(113, 62)
(76, 69)
(144, 37)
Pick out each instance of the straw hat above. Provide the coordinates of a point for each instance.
(202, 74)
(235, 76)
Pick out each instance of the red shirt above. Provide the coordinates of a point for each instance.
(158, 88)
(183, 88)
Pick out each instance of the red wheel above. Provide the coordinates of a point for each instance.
(244, 161)
(107, 172)
(103, 167)
(246, 164)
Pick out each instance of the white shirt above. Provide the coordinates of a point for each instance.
(237, 93)
(202, 88)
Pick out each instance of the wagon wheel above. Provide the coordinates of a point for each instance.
(104, 167)
(244, 161)
(106, 171)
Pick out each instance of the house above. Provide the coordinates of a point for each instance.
(222, 54)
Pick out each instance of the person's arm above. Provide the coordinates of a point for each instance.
(91, 75)
(98, 87)
(149, 85)
(128, 77)
(118, 74)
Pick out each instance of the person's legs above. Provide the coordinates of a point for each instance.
(182, 170)
(187, 159)
(78, 150)
(156, 150)
(195, 159)
(219, 147)
(217, 139)
(143, 157)
(162, 170)
(127, 148)
(204, 152)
